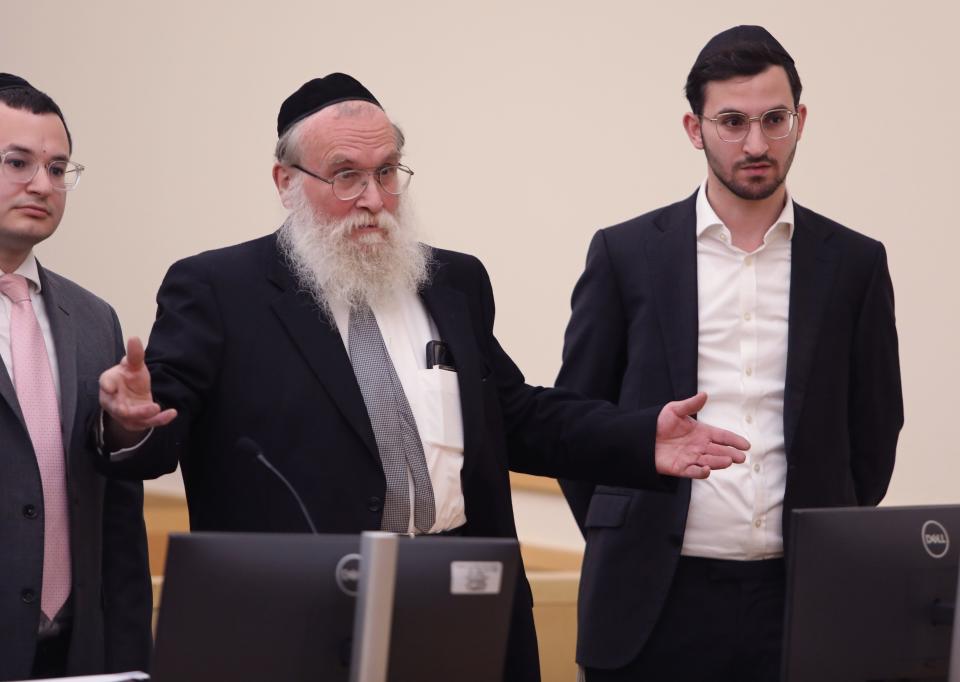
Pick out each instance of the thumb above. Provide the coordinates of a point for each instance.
(134, 353)
(690, 406)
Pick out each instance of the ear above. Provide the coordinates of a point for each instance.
(801, 119)
(282, 179)
(694, 130)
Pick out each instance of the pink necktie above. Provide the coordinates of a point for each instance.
(38, 402)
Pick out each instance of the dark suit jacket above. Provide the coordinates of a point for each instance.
(111, 594)
(240, 350)
(632, 339)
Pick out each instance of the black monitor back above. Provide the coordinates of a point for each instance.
(865, 587)
(452, 608)
(241, 606)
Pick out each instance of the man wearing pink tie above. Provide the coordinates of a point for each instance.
(75, 591)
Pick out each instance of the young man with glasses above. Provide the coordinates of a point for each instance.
(75, 593)
(364, 365)
(785, 319)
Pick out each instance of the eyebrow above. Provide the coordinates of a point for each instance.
(730, 110)
(27, 150)
(342, 160)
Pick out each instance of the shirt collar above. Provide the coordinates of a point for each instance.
(30, 270)
(707, 218)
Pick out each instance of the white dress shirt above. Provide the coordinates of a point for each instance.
(743, 305)
(433, 394)
(29, 270)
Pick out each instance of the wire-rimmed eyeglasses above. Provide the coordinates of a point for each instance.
(350, 183)
(732, 126)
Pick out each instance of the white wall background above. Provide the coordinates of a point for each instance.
(530, 125)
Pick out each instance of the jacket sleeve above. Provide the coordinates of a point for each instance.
(876, 399)
(594, 348)
(183, 355)
(557, 432)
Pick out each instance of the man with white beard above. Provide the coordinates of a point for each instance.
(364, 365)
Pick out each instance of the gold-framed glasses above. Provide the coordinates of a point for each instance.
(733, 126)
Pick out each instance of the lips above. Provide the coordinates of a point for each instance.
(35, 210)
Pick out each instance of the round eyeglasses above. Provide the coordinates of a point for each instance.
(351, 182)
(22, 167)
(732, 126)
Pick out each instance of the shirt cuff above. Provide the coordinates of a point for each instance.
(122, 453)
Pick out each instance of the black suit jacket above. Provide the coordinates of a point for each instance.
(111, 593)
(240, 350)
(632, 339)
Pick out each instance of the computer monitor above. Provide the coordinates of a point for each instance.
(452, 606)
(239, 606)
(871, 594)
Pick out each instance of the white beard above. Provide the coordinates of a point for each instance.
(339, 268)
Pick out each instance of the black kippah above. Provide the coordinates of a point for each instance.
(8, 81)
(318, 94)
(737, 37)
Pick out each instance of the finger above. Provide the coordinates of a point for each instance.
(715, 462)
(134, 358)
(724, 437)
(695, 471)
(726, 452)
(161, 419)
(108, 382)
(690, 406)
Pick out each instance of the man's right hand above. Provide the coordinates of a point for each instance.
(126, 398)
(687, 448)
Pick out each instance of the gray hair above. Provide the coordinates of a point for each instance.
(288, 149)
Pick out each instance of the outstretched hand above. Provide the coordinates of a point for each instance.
(125, 393)
(688, 448)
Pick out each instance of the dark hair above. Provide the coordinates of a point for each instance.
(746, 59)
(30, 99)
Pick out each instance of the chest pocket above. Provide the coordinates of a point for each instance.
(443, 420)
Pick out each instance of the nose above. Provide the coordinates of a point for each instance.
(755, 143)
(40, 183)
(371, 198)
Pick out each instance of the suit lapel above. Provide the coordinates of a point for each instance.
(448, 308)
(64, 331)
(813, 265)
(322, 348)
(672, 262)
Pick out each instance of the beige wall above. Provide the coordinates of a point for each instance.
(530, 124)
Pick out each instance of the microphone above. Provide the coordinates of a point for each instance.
(247, 446)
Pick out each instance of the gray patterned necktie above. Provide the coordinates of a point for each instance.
(393, 427)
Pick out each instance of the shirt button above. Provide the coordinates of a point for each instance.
(723, 236)
(748, 419)
(748, 371)
(756, 467)
(747, 316)
(28, 596)
(30, 511)
(758, 523)
(748, 262)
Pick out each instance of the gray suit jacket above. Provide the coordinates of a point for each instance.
(111, 595)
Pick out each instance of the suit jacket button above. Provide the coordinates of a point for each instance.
(28, 595)
(374, 504)
(30, 511)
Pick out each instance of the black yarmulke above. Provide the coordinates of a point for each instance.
(737, 37)
(318, 94)
(8, 81)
